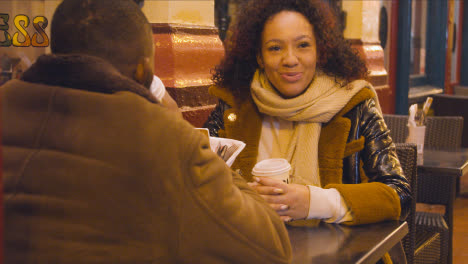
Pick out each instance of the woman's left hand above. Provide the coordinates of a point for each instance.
(290, 201)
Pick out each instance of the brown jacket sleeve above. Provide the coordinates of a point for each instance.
(223, 219)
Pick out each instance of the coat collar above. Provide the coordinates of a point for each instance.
(82, 72)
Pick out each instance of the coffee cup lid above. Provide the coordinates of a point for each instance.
(271, 167)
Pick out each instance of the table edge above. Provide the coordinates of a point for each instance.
(373, 255)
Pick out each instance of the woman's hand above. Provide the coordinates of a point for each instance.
(290, 201)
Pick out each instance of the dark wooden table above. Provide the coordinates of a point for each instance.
(450, 162)
(333, 243)
(445, 163)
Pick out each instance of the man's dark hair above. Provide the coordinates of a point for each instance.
(115, 30)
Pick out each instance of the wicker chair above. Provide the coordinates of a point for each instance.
(441, 132)
(460, 90)
(453, 105)
(432, 229)
(432, 232)
(407, 154)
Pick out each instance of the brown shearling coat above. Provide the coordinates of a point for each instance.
(110, 177)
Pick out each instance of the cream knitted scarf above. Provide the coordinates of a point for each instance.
(321, 101)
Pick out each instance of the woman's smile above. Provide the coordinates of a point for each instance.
(291, 76)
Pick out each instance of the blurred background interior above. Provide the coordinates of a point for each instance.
(413, 49)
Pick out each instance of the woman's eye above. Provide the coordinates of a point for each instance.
(304, 45)
(274, 48)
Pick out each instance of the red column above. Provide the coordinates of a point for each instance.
(185, 56)
(373, 55)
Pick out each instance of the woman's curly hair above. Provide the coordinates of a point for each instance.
(335, 55)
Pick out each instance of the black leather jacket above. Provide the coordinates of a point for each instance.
(380, 161)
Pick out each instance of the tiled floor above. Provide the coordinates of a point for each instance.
(460, 224)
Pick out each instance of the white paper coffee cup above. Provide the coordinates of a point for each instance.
(416, 135)
(273, 168)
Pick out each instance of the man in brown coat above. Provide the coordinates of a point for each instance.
(95, 171)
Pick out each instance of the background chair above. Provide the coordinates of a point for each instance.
(432, 243)
(453, 105)
(441, 132)
(460, 90)
(407, 154)
(432, 232)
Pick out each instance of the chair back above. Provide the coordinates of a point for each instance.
(444, 131)
(460, 90)
(441, 131)
(398, 125)
(407, 154)
(453, 105)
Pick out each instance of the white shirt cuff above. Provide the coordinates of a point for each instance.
(327, 204)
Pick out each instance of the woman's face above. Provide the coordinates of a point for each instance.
(288, 52)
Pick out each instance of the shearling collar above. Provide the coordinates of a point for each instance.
(82, 72)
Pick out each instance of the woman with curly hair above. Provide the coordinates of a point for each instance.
(290, 86)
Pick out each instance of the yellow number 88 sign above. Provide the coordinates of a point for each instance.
(21, 22)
